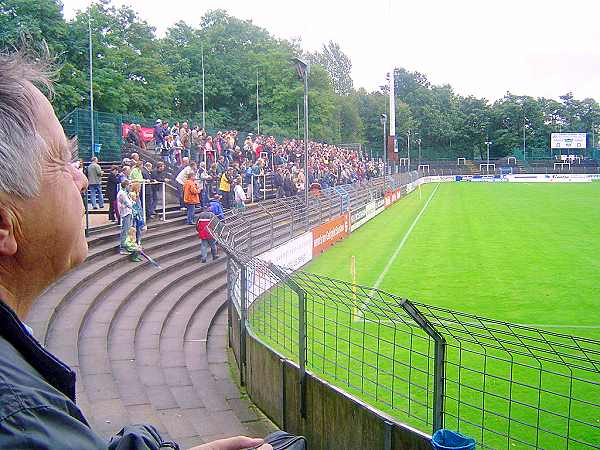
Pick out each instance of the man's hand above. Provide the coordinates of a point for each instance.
(235, 443)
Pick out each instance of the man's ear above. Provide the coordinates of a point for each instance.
(8, 242)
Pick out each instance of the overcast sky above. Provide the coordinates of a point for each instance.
(480, 47)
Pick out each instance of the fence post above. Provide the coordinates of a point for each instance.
(302, 348)
(229, 301)
(164, 201)
(439, 362)
(243, 325)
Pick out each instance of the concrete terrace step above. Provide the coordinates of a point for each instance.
(98, 374)
(72, 284)
(139, 338)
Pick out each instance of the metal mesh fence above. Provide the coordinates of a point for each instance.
(515, 386)
(508, 386)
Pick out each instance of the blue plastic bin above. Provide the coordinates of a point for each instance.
(450, 440)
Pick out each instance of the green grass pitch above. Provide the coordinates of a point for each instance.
(521, 253)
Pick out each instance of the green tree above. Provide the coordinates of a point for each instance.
(338, 66)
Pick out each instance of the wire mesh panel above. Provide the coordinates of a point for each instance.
(273, 309)
(364, 341)
(511, 386)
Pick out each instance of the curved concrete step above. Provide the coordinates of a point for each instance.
(99, 376)
(57, 296)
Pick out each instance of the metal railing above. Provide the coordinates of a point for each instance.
(508, 386)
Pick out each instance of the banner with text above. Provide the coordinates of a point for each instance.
(327, 234)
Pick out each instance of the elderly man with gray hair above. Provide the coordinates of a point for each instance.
(41, 238)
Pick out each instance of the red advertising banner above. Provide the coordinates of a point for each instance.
(387, 199)
(147, 133)
(327, 234)
(391, 197)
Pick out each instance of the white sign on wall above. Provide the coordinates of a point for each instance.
(568, 140)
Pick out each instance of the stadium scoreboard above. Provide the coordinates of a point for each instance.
(568, 140)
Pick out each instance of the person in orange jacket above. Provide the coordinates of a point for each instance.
(191, 196)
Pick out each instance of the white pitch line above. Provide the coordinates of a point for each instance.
(403, 241)
(540, 325)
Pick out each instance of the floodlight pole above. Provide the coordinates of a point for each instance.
(91, 78)
(203, 105)
(257, 110)
(306, 136)
(298, 134)
(384, 123)
(488, 143)
(524, 154)
(408, 148)
(303, 70)
(419, 144)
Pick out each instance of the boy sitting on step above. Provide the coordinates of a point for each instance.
(132, 246)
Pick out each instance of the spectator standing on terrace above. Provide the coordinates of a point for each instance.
(111, 191)
(185, 139)
(95, 183)
(216, 207)
(204, 182)
(206, 238)
(137, 211)
(225, 187)
(161, 175)
(159, 138)
(195, 143)
(133, 136)
(239, 194)
(125, 205)
(191, 196)
(209, 154)
(184, 170)
(278, 183)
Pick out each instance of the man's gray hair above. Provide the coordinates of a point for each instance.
(21, 147)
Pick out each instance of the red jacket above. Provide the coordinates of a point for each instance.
(202, 225)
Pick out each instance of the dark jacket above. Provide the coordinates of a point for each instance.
(133, 137)
(37, 399)
(111, 185)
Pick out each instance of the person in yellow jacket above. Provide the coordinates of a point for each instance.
(225, 187)
(191, 196)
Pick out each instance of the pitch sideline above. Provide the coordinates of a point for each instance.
(403, 241)
(356, 314)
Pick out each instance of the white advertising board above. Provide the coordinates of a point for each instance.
(549, 178)
(568, 140)
(372, 209)
(292, 255)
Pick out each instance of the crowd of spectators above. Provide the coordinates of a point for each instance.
(258, 155)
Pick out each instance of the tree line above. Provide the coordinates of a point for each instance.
(137, 72)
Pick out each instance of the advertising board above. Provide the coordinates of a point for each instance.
(568, 140)
(371, 210)
(549, 178)
(327, 234)
(147, 133)
(292, 255)
(357, 214)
